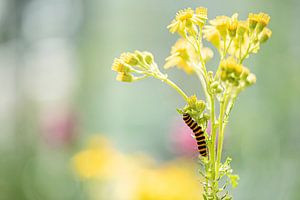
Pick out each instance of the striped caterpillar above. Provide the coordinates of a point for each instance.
(199, 134)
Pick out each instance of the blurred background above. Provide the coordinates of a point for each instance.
(60, 104)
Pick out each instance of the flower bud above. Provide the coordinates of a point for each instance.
(139, 55)
(192, 101)
(263, 21)
(251, 79)
(219, 89)
(245, 73)
(119, 66)
(200, 105)
(265, 35)
(231, 78)
(124, 77)
(252, 19)
(129, 58)
(238, 70)
(148, 58)
(242, 28)
(214, 84)
(223, 76)
(232, 27)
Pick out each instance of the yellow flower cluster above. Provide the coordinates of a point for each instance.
(96, 161)
(133, 177)
(129, 63)
(236, 74)
(188, 21)
(238, 38)
(184, 56)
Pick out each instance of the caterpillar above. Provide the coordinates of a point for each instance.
(199, 134)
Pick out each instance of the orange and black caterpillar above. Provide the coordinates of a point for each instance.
(199, 134)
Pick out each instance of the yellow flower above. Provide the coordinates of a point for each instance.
(212, 35)
(220, 23)
(252, 19)
(243, 27)
(232, 25)
(125, 77)
(200, 16)
(263, 21)
(172, 181)
(236, 74)
(182, 20)
(183, 55)
(120, 66)
(96, 161)
(187, 19)
(129, 58)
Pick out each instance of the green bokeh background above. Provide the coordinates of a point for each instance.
(263, 136)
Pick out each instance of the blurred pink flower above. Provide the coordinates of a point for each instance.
(182, 140)
(58, 127)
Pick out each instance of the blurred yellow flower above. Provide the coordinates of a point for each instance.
(97, 161)
(134, 177)
(172, 181)
(184, 56)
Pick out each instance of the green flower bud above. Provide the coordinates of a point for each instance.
(236, 82)
(206, 116)
(148, 58)
(200, 106)
(214, 84)
(192, 101)
(231, 78)
(223, 76)
(219, 89)
(139, 56)
(245, 73)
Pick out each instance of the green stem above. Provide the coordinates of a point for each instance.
(204, 84)
(245, 55)
(213, 129)
(213, 146)
(223, 106)
(173, 85)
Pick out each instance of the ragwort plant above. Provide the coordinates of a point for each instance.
(234, 40)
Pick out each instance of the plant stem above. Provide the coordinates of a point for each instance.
(203, 82)
(173, 85)
(213, 146)
(223, 105)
